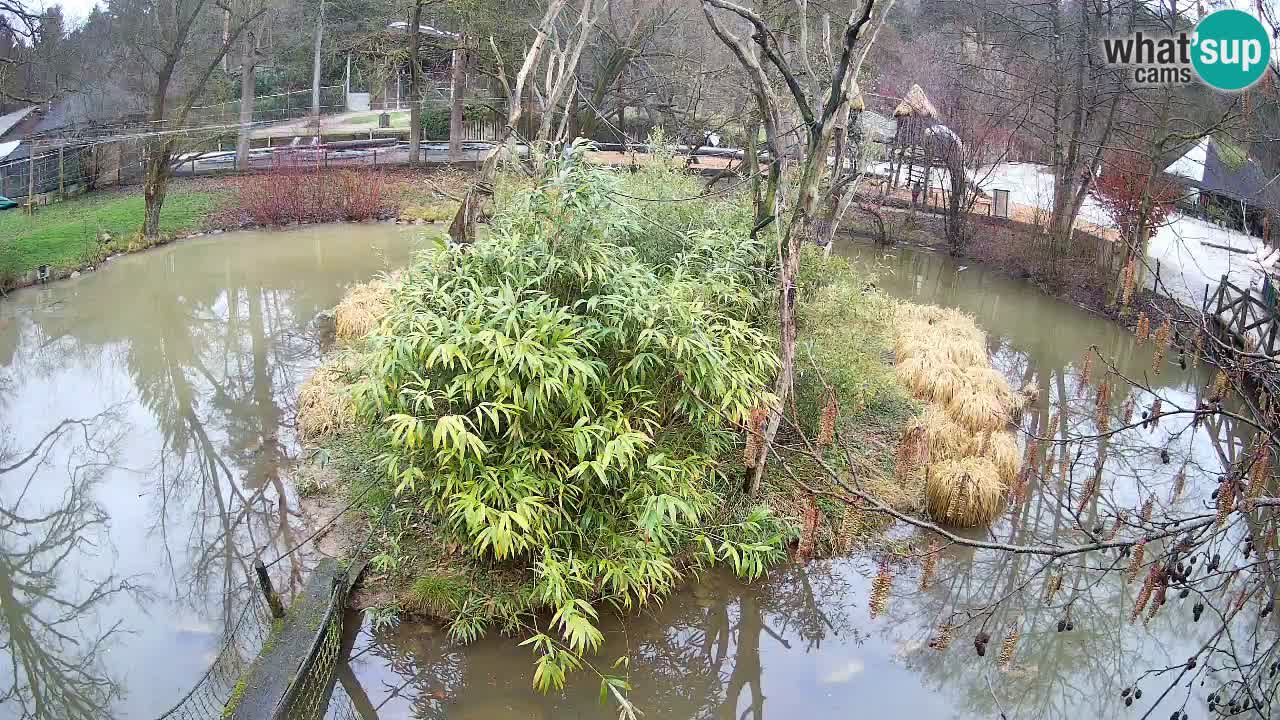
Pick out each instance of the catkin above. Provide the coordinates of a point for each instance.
(1226, 501)
(942, 641)
(755, 436)
(1130, 281)
(1009, 645)
(1220, 384)
(930, 565)
(1090, 491)
(1179, 484)
(1128, 408)
(1163, 336)
(1102, 409)
(1086, 369)
(1155, 413)
(1115, 529)
(1135, 563)
(880, 590)
(1144, 595)
(1260, 473)
(1147, 508)
(1144, 327)
(1051, 587)
(827, 426)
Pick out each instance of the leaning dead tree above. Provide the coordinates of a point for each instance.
(797, 161)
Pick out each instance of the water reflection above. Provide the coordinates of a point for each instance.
(199, 348)
(50, 668)
(802, 644)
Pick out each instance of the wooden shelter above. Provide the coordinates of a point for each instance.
(913, 116)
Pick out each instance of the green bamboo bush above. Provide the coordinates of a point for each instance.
(562, 409)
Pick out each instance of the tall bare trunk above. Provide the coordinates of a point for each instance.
(457, 93)
(315, 68)
(248, 94)
(415, 91)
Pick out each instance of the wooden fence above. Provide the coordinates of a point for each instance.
(1251, 320)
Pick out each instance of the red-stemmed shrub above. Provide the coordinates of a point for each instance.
(301, 192)
(1122, 185)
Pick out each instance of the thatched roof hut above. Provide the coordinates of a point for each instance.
(916, 104)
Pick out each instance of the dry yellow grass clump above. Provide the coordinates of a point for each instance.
(362, 309)
(324, 402)
(965, 493)
(941, 356)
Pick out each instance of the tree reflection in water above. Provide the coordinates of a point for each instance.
(698, 655)
(54, 664)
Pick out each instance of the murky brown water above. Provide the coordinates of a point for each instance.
(801, 644)
(145, 412)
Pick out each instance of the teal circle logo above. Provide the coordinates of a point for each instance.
(1231, 50)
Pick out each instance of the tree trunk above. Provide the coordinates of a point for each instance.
(154, 188)
(315, 68)
(457, 99)
(415, 91)
(248, 93)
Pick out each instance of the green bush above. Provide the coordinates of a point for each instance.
(559, 407)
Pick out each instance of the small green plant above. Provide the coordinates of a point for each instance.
(382, 617)
(437, 595)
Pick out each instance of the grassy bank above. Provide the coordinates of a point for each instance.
(74, 233)
(81, 231)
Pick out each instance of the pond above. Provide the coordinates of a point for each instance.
(146, 411)
(802, 643)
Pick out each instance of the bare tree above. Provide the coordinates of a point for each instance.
(463, 227)
(173, 49)
(822, 104)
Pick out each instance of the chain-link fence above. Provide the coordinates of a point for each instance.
(243, 641)
(307, 696)
(69, 169)
(272, 108)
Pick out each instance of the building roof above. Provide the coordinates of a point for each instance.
(7, 148)
(7, 122)
(425, 30)
(1224, 170)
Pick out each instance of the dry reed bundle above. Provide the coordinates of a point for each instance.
(929, 378)
(324, 404)
(1001, 447)
(362, 309)
(977, 410)
(964, 493)
(947, 439)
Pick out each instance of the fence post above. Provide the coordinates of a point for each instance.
(62, 173)
(31, 180)
(264, 583)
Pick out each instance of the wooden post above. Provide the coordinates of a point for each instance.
(264, 583)
(62, 172)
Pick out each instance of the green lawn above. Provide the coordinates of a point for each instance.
(398, 119)
(66, 234)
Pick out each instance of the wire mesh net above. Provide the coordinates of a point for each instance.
(243, 641)
(307, 697)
